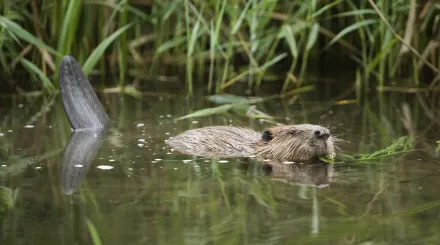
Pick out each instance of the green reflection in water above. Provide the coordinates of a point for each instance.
(152, 195)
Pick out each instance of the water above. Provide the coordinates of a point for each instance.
(128, 187)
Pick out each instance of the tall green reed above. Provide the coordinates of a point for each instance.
(239, 42)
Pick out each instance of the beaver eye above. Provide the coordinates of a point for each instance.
(293, 132)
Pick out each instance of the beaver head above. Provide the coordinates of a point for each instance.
(295, 142)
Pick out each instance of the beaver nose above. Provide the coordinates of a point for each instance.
(322, 134)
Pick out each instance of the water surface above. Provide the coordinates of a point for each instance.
(129, 187)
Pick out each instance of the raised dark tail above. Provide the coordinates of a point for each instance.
(80, 102)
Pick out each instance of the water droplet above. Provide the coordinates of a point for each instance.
(140, 125)
(105, 167)
(187, 161)
(195, 122)
(223, 161)
(29, 126)
(288, 162)
(78, 166)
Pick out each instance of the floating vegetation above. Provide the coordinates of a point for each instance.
(401, 145)
(238, 104)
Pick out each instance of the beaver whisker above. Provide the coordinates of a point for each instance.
(336, 139)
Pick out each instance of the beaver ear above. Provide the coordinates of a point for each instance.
(267, 136)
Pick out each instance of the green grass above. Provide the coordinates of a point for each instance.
(219, 44)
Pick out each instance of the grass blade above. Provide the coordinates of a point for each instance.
(240, 18)
(25, 35)
(193, 38)
(93, 233)
(288, 35)
(381, 54)
(99, 51)
(219, 20)
(358, 12)
(233, 99)
(349, 29)
(31, 67)
(326, 7)
(69, 27)
(313, 35)
(170, 44)
(118, 8)
(207, 112)
(253, 70)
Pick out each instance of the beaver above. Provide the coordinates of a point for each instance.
(301, 142)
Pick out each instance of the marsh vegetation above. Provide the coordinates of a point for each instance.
(212, 46)
(368, 70)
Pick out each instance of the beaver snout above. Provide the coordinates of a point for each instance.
(322, 134)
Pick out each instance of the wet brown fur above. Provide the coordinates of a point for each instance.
(284, 142)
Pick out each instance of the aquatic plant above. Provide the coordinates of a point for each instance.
(8, 198)
(400, 145)
(221, 44)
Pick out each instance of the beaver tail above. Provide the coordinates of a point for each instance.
(82, 106)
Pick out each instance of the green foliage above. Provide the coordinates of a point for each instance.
(233, 99)
(398, 146)
(16, 31)
(238, 104)
(8, 198)
(33, 68)
(93, 233)
(99, 51)
(207, 112)
(213, 34)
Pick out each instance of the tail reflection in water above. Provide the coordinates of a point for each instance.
(78, 155)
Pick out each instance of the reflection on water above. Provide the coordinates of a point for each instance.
(126, 186)
(317, 174)
(79, 154)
